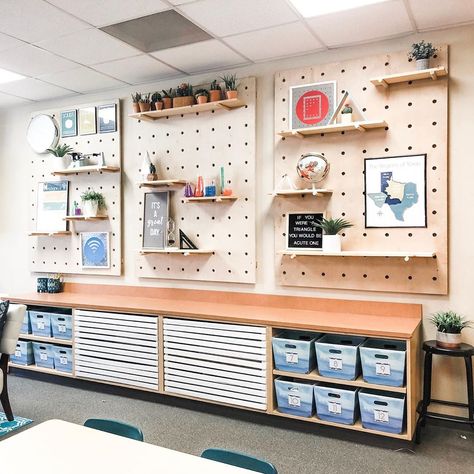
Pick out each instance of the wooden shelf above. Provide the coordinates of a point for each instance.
(85, 218)
(357, 253)
(162, 183)
(359, 382)
(61, 233)
(211, 199)
(50, 340)
(432, 73)
(298, 192)
(334, 128)
(227, 104)
(34, 368)
(184, 252)
(86, 169)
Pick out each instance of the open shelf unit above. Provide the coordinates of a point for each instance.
(211, 199)
(227, 104)
(357, 253)
(49, 340)
(85, 218)
(298, 192)
(432, 73)
(86, 169)
(162, 183)
(184, 252)
(361, 126)
(34, 368)
(61, 233)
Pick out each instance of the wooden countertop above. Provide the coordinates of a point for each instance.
(384, 319)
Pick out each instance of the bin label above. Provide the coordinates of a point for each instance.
(381, 416)
(63, 360)
(291, 357)
(17, 352)
(335, 363)
(61, 327)
(40, 324)
(334, 407)
(294, 400)
(382, 368)
(43, 355)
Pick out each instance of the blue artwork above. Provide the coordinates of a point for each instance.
(95, 249)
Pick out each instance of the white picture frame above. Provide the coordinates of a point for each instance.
(95, 250)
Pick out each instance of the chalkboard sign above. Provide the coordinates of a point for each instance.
(303, 231)
(155, 219)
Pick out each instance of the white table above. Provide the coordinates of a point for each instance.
(59, 447)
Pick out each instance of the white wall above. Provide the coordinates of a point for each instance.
(15, 158)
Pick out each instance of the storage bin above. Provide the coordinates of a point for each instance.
(61, 326)
(294, 397)
(26, 325)
(40, 323)
(338, 356)
(383, 361)
(62, 358)
(293, 351)
(44, 356)
(382, 411)
(338, 404)
(23, 354)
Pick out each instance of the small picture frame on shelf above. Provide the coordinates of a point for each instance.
(303, 231)
(107, 118)
(155, 220)
(69, 123)
(95, 250)
(87, 121)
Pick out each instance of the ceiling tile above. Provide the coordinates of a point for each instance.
(6, 100)
(361, 25)
(238, 16)
(34, 89)
(430, 15)
(90, 47)
(137, 70)
(284, 40)
(198, 57)
(82, 79)
(107, 12)
(181, 2)
(32, 61)
(36, 20)
(7, 42)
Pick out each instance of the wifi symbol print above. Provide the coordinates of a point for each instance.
(94, 250)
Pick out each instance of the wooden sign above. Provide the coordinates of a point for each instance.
(155, 220)
(303, 231)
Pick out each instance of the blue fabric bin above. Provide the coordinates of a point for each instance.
(383, 361)
(338, 404)
(26, 325)
(338, 356)
(63, 358)
(40, 323)
(44, 356)
(382, 411)
(293, 351)
(294, 397)
(23, 354)
(61, 326)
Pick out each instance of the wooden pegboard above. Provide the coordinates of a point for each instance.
(184, 147)
(62, 254)
(417, 118)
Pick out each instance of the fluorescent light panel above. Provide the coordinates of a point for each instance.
(310, 8)
(8, 76)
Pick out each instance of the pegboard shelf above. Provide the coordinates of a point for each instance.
(356, 253)
(85, 218)
(86, 169)
(184, 252)
(211, 199)
(227, 104)
(298, 192)
(361, 126)
(61, 233)
(162, 183)
(432, 73)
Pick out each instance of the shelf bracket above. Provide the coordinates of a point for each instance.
(433, 75)
(292, 256)
(383, 83)
(407, 258)
(359, 127)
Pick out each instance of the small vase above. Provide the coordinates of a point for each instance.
(202, 99)
(447, 340)
(214, 96)
(346, 118)
(54, 285)
(167, 102)
(332, 243)
(159, 105)
(422, 64)
(42, 285)
(231, 94)
(144, 106)
(135, 107)
(91, 208)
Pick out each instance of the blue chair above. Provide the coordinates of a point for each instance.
(115, 427)
(239, 460)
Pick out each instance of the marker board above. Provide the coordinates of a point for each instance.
(155, 220)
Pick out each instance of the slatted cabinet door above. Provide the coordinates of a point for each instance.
(216, 361)
(117, 348)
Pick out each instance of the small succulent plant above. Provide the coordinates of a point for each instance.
(201, 92)
(155, 97)
(60, 150)
(449, 322)
(347, 109)
(145, 98)
(230, 81)
(214, 86)
(169, 94)
(94, 196)
(333, 226)
(422, 50)
(136, 97)
(184, 90)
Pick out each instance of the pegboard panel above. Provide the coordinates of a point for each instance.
(416, 114)
(62, 254)
(183, 147)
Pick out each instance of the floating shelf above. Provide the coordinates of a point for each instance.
(184, 252)
(297, 192)
(162, 183)
(432, 73)
(52, 340)
(85, 218)
(61, 233)
(356, 253)
(227, 104)
(211, 199)
(34, 368)
(86, 169)
(334, 128)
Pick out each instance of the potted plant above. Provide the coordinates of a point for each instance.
(93, 202)
(184, 95)
(156, 101)
(230, 82)
(346, 114)
(202, 96)
(145, 104)
(215, 92)
(449, 326)
(61, 151)
(422, 52)
(167, 98)
(135, 102)
(151, 176)
(331, 238)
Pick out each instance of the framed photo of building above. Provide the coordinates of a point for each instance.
(87, 121)
(69, 123)
(395, 191)
(52, 206)
(107, 118)
(95, 250)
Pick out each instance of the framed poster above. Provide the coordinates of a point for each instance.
(395, 191)
(303, 231)
(107, 118)
(312, 105)
(95, 251)
(52, 206)
(69, 123)
(87, 121)
(155, 219)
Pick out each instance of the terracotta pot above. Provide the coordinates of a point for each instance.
(152, 177)
(202, 99)
(215, 96)
(447, 340)
(183, 101)
(135, 107)
(158, 105)
(167, 102)
(144, 106)
(231, 94)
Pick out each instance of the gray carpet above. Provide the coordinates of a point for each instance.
(294, 447)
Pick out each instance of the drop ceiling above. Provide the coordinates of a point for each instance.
(70, 47)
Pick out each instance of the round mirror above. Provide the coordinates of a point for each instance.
(312, 167)
(43, 133)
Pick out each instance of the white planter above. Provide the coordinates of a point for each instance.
(422, 64)
(447, 340)
(90, 208)
(346, 118)
(332, 243)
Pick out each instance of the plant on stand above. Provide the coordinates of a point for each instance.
(346, 114)
(136, 102)
(422, 52)
(167, 98)
(184, 95)
(230, 82)
(331, 238)
(215, 92)
(156, 101)
(93, 202)
(145, 104)
(202, 96)
(449, 326)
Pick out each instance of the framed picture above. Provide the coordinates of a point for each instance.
(69, 123)
(395, 191)
(312, 105)
(52, 206)
(95, 251)
(87, 121)
(303, 231)
(107, 118)
(155, 219)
